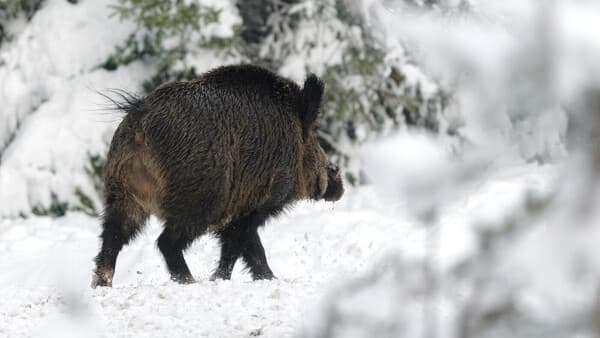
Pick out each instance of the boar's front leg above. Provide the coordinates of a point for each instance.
(254, 256)
(230, 239)
(240, 238)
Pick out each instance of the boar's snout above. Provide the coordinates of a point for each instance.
(335, 187)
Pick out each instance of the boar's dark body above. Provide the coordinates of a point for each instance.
(222, 154)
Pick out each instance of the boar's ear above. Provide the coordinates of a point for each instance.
(310, 101)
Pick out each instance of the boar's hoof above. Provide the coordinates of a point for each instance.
(220, 275)
(102, 277)
(183, 279)
(267, 275)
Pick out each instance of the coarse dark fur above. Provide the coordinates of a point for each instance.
(220, 154)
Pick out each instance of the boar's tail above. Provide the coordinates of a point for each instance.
(124, 101)
(310, 100)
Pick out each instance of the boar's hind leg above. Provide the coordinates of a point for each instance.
(121, 222)
(240, 238)
(172, 242)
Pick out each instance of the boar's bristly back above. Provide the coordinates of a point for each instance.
(310, 100)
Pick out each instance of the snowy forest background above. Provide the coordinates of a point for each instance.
(467, 129)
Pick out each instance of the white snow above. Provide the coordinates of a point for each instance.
(51, 112)
(425, 209)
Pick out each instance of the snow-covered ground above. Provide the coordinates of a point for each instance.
(46, 266)
(51, 122)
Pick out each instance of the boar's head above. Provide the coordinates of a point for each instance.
(321, 179)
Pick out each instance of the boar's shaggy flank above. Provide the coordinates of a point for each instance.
(220, 154)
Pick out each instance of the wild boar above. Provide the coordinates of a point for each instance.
(220, 154)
